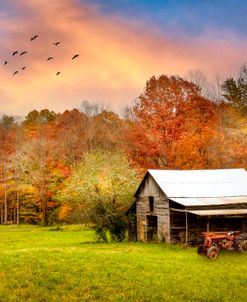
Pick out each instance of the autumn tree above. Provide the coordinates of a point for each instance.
(104, 128)
(196, 147)
(107, 131)
(33, 161)
(7, 142)
(38, 162)
(41, 176)
(80, 132)
(51, 147)
(35, 120)
(231, 140)
(158, 120)
(71, 128)
(100, 191)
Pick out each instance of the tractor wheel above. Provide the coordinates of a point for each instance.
(241, 243)
(202, 250)
(212, 252)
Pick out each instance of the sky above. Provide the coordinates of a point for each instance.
(121, 44)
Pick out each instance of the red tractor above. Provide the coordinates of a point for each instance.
(214, 241)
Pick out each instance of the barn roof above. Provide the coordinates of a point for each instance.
(203, 187)
(219, 212)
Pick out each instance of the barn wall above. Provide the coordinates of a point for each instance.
(196, 225)
(161, 210)
(149, 187)
(228, 223)
(177, 222)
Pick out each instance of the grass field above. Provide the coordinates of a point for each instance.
(42, 264)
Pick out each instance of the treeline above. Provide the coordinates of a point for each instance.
(84, 165)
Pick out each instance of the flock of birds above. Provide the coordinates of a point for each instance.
(22, 53)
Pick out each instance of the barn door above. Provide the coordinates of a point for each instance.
(152, 234)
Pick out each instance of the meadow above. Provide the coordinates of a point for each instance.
(68, 264)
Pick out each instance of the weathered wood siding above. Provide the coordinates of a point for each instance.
(149, 187)
(161, 210)
(171, 217)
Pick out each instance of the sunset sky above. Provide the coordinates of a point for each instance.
(120, 43)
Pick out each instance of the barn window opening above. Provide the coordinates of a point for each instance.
(151, 203)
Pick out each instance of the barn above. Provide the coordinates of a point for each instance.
(175, 206)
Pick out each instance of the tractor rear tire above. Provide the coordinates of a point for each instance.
(241, 243)
(212, 253)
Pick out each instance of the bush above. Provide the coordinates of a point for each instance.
(100, 191)
(109, 221)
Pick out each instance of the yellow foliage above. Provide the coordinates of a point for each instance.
(104, 184)
(1, 190)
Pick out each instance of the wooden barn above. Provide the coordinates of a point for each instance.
(175, 206)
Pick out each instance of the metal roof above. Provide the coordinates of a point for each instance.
(208, 201)
(201, 183)
(219, 212)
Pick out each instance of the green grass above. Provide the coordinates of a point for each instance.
(60, 264)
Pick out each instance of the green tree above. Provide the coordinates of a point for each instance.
(42, 117)
(100, 191)
(235, 91)
(7, 122)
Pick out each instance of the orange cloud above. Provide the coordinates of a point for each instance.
(116, 57)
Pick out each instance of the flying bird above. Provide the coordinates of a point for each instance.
(58, 73)
(15, 52)
(15, 72)
(23, 53)
(50, 58)
(56, 43)
(34, 37)
(5, 62)
(24, 67)
(75, 56)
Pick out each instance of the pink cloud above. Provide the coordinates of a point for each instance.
(116, 57)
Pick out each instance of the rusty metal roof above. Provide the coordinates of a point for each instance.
(196, 185)
(219, 212)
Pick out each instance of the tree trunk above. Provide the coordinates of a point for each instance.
(17, 208)
(1, 212)
(5, 191)
(5, 204)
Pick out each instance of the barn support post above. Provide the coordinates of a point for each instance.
(186, 227)
(208, 224)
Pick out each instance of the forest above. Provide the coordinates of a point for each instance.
(84, 165)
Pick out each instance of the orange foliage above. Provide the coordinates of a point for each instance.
(159, 121)
(193, 150)
(176, 128)
(64, 212)
(170, 126)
